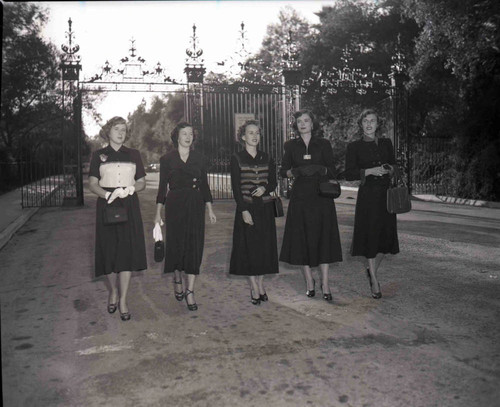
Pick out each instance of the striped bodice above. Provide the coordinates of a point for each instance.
(253, 176)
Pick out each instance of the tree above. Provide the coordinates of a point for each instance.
(462, 40)
(266, 65)
(29, 75)
(150, 128)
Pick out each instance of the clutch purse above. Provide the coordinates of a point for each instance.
(329, 189)
(398, 198)
(159, 251)
(115, 214)
(278, 207)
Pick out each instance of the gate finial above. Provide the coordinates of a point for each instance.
(194, 64)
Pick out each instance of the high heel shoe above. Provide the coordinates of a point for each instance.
(125, 316)
(326, 296)
(264, 297)
(112, 307)
(179, 296)
(191, 307)
(312, 293)
(379, 293)
(255, 301)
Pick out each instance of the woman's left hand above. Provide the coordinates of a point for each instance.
(259, 191)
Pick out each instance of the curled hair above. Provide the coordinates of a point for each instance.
(174, 136)
(243, 129)
(104, 132)
(380, 122)
(314, 121)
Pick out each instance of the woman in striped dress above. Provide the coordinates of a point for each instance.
(253, 177)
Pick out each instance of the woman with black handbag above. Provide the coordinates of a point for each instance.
(371, 160)
(311, 236)
(116, 175)
(253, 178)
(183, 171)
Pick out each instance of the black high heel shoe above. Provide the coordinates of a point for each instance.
(312, 293)
(179, 296)
(255, 301)
(125, 316)
(191, 307)
(377, 295)
(326, 296)
(264, 297)
(112, 307)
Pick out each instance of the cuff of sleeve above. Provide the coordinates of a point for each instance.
(362, 176)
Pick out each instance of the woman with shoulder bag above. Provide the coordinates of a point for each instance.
(253, 178)
(371, 160)
(116, 175)
(311, 236)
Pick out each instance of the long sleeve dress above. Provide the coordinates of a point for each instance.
(311, 234)
(254, 249)
(375, 229)
(188, 191)
(118, 247)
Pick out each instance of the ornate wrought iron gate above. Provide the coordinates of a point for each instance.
(216, 111)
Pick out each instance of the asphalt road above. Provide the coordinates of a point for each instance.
(432, 340)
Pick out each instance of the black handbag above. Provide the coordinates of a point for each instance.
(159, 251)
(398, 198)
(278, 207)
(329, 189)
(115, 214)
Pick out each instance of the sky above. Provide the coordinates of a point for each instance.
(162, 31)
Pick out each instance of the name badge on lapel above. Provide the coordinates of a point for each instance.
(307, 156)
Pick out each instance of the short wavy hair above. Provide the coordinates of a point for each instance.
(243, 129)
(380, 122)
(104, 132)
(314, 120)
(174, 136)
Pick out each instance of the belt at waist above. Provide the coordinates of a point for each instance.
(264, 199)
(194, 187)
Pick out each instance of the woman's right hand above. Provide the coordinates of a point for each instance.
(247, 217)
(376, 171)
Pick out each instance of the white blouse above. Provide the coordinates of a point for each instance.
(117, 174)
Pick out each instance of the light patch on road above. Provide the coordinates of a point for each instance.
(104, 348)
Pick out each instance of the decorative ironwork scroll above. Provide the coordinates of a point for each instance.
(131, 69)
(194, 69)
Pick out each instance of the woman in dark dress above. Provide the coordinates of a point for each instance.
(371, 160)
(311, 235)
(183, 171)
(253, 178)
(116, 175)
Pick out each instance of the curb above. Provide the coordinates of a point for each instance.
(445, 199)
(9, 231)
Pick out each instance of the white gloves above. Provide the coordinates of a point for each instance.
(157, 236)
(118, 193)
(130, 190)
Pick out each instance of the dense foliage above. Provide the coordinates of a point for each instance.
(451, 53)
